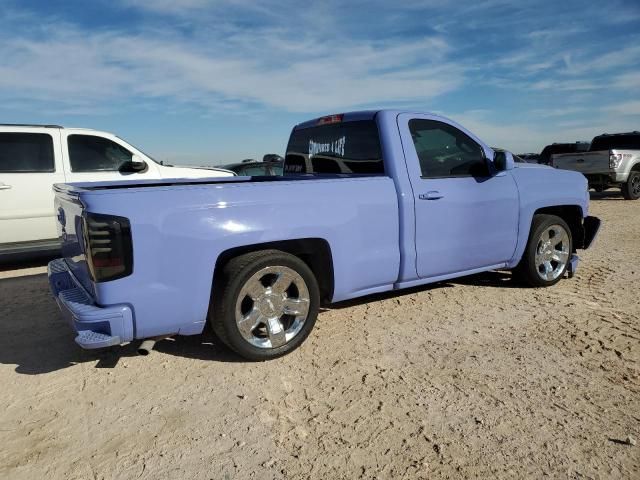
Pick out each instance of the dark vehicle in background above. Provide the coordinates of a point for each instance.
(271, 165)
(529, 157)
(613, 160)
(555, 148)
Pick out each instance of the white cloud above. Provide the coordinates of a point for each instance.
(261, 67)
(572, 85)
(170, 6)
(626, 108)
(559, 111)
(622, 57)
(629, 80)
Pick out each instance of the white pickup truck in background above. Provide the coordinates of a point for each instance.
(612, 161)
(34, 157)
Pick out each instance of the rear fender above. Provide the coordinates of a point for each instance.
(315, 252)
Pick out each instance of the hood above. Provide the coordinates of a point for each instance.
(195, 172)
(532, 165)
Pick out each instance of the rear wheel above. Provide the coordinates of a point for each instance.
(265, 304)
(631, 189)
(548, 252)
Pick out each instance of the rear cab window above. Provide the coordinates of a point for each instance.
(26, 153)
(351, 148)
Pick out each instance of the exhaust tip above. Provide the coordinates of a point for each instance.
(145, 347)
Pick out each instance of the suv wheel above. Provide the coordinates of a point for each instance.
(631, 189)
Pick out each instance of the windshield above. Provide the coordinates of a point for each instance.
(610, 142)
(345, 147)
(159, 162)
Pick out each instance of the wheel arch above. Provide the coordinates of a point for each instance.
(573, 215)
(315, 252)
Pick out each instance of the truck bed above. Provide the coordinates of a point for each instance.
(584, 162)
(172, 220)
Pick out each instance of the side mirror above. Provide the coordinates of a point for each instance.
(135, 165)
(503, 161)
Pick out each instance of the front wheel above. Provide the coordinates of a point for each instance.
(631, 189)
(548, 251)
(265, 304)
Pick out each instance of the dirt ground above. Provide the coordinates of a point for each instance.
(475, 378)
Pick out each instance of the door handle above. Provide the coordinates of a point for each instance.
(432, 195)
(4, 186)
(580, 160)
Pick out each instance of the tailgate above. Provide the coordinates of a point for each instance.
(586, 162)
(69, 210)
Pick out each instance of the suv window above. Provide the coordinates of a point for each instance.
(95, 154)
(611, 142)
(26, 152)
(445, 151)
(345, 147)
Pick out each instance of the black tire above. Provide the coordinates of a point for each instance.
(228, 286)
(631, 188)
(527, 270)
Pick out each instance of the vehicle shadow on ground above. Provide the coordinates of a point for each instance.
(36, 338)
(612, 194)
(497, 279)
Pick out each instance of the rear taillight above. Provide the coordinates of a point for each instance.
(614, 160)
(107, 241)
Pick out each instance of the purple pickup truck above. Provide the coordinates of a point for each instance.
(369, 202)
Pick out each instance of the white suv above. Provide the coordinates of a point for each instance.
(34, 157)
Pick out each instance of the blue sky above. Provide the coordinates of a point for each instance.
(214, 81)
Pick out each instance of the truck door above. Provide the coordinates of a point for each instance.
(466, 214)
(30, 163)
(89, 157)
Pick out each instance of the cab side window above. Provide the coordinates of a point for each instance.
(88, 153)
(444, 151)
(26, 153)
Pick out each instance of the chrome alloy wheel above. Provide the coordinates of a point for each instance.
(272, 307)
(552, 252)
